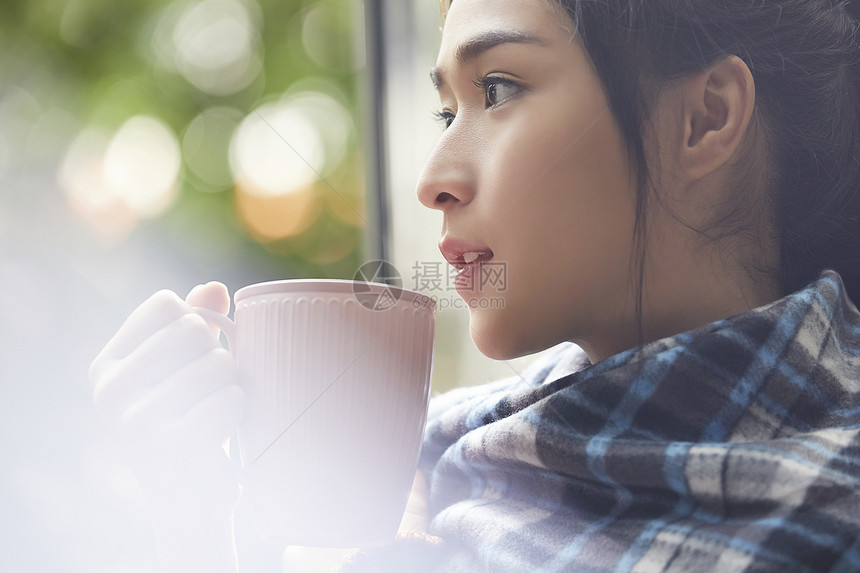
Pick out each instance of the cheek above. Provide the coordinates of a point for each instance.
(565, 234)
(560, 183)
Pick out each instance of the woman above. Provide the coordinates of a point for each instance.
(672, 186)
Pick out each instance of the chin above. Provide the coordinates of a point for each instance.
(496, 339)
(503, 334)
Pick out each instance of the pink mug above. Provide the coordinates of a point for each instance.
(337, 379)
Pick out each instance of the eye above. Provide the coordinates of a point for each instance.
(497, 89)
(445, 117)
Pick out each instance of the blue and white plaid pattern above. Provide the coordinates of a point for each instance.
(734, 447)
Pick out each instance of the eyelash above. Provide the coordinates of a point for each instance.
(444, 117)
(484, 83)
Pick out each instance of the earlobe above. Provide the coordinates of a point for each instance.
(720, 104)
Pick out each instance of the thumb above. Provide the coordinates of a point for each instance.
(212, 295)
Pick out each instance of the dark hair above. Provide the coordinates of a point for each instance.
(803, 55)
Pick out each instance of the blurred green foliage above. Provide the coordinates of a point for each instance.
(97, 62)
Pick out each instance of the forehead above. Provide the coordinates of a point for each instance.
(468, 19)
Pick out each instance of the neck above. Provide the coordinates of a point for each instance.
(680, 295)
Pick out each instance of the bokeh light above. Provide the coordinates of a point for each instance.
(142, 165)
(330, 19)
(270, 218)
(333, 122)
(284, 146)
(276, 150)
(82, 178)
(214, 44)
(281, 155)
(112, 182)
(117, 179)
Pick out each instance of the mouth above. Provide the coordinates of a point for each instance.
(472, 259)
(462, 255)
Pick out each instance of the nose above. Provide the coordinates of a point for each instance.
(448, 178)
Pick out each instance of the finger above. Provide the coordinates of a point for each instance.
(153, 314)
(181, 391)
(212, 295)
(165, 352)
(212, 420)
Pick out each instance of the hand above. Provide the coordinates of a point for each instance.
(169, 388)
(412, 550)
(165, 378)
(416, 517)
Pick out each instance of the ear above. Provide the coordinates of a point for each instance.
(718, 106)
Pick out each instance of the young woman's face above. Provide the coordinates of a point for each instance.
(532, 177)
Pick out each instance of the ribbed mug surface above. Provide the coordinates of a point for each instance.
(336, 396)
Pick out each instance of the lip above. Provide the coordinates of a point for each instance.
(454, 251)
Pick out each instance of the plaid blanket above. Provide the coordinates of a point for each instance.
(734, 447)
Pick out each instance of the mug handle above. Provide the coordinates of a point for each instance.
(227, 326)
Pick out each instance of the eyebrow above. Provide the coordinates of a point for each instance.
(483, 42)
